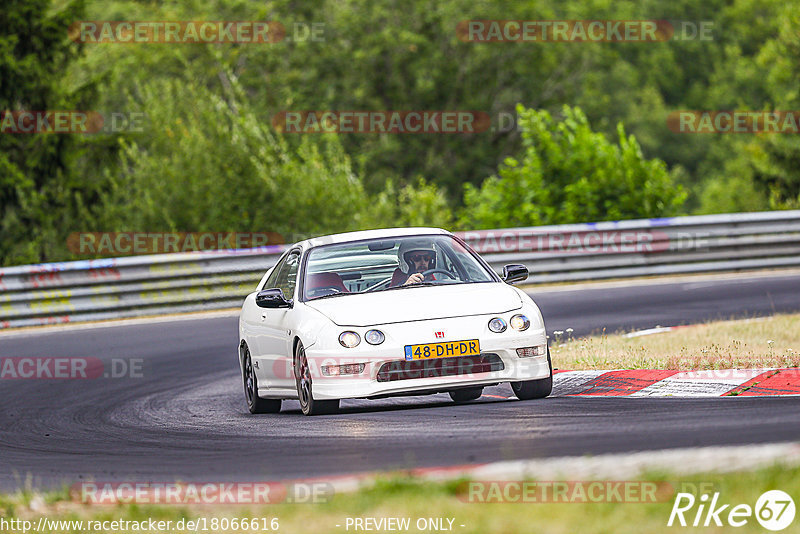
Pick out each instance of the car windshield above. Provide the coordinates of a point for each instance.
(389, 264)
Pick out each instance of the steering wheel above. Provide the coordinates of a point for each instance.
(441, 271)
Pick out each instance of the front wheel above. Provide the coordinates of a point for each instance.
(302, 375)
(535, 389)
(255, 403)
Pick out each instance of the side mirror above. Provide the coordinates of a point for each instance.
(272, 298)
(514, 273)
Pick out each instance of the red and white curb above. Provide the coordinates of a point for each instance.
(671, 383)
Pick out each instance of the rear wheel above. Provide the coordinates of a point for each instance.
(302, 375)
(255, 403)
(466, 395)
(535, 389)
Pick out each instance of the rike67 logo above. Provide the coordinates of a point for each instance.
(774, 510)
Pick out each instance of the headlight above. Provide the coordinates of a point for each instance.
(374, 337)
(349, 339)
(497, 325)
(520, 322)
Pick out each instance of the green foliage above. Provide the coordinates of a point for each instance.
(208, 158)
(420, 204)
(568, 173)
(732, 194)
(209, 164)
(778, 167)
(37, 191)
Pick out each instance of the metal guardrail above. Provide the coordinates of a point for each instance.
(55, 293)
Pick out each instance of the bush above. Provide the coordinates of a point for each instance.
(208, 163)
(420, 204)
(568, 173)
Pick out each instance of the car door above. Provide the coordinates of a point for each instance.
(274, 369)
(253, 327)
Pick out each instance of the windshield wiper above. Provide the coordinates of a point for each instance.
(331, 295)
(418, 284)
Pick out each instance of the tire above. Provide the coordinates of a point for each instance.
(535, 389)
(466, 395)
(255, 403)
(305, 391)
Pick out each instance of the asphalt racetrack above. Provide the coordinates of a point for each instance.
(186, 419)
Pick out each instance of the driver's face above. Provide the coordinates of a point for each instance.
(421, 261)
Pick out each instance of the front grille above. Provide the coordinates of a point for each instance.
(439, 367)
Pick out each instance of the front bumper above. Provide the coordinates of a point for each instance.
(499, 363)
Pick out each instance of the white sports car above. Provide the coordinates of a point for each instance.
(404, 311)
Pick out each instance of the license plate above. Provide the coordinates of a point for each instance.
(447, 349)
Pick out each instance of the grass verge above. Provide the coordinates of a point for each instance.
(739, 344)
(402, 497)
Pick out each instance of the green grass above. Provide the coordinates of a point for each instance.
(738, 344)
(402, 496)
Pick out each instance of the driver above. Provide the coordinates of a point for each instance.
(414, 257)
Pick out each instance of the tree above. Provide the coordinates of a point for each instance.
(777, 156)
(568, 173)
(208, 163)
(38, 194)
(418, 204)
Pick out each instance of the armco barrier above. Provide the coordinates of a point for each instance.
(168, 283)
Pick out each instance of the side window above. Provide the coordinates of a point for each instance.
(270, 283)
(286, 275)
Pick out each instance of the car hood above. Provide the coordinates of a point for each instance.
(418, 304)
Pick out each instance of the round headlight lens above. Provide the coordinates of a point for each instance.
(520, 322)
(497, 325)
(349, 339)
(374, 337)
